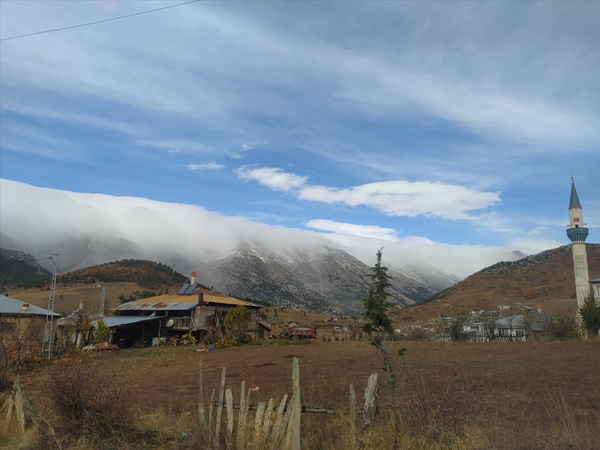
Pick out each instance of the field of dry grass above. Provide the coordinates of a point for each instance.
(533, 395)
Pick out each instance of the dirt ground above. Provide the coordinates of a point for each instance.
(513, 386)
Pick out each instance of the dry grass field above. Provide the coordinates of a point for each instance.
(533, 395)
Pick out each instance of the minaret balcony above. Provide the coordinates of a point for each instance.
(577, 234)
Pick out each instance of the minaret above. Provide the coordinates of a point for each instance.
(577, 233)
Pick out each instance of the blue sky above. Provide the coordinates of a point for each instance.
(459, 123)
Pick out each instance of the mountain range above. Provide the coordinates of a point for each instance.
(331, 281)
(323, 280)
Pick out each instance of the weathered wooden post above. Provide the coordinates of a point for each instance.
(370, 401)
(229, 403)
(220, 407)
(280, 424)
(201, 411)
(294, 438)
(352, 414)
(241, 430)
(260, 410)
(267, 421)
(210, 409)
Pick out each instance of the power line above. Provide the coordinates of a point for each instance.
(98, 21)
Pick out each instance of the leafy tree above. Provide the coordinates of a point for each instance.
(236, 322)
(376, 304)
(562, 328)
(590, 314)
(457, 327)
(102, 331)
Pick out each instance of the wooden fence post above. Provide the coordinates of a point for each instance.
(352, 414)
(294, 438)
(370, 401)
(280, 424)
(241, 430)
(220, 407)
(260, 410)
(201, 411)
(210, 409)
(267, 421)
(229, 403)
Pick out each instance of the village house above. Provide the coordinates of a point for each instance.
(193, 312)
(21, 328)
(20, 318)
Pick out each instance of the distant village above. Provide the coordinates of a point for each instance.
(196, 316)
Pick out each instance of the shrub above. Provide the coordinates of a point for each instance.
(95, 407)
(236, 323)
(563, 328)
(102, 331)
(590, 314)
(225, 343)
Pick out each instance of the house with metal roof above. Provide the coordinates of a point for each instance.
(11, 307)
(193, 310)
(23, 324)
(516, 327)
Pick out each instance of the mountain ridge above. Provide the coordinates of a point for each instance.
(544, 280)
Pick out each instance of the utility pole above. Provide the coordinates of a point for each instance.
(48, 344)
(102, 301)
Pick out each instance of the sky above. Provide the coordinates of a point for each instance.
(453, 126)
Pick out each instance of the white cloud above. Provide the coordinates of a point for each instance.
(533, 246)
(205, 166)
(370, 231)
(410, 199)
(272, 177)
(394, 198)
(177, 146)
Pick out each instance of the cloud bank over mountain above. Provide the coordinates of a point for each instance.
(87, 228)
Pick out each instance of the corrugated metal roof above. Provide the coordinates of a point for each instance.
(119, 321)
(209, 298)
(515, 321)
(535, 322)
(9, 305)
(156, 306)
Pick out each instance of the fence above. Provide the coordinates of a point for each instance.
(275, 425)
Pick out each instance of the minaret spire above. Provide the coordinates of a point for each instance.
(574, 202)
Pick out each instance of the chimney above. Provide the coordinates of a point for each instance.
(200, 298)
(81, 303)
(25, 307)
(193, 278)
(539, 309)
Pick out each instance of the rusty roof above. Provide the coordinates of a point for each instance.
(209, 298)
(145, 305)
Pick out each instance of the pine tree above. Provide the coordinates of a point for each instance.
(377, 325)
(376, 304)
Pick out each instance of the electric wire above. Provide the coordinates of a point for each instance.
(98, 21)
